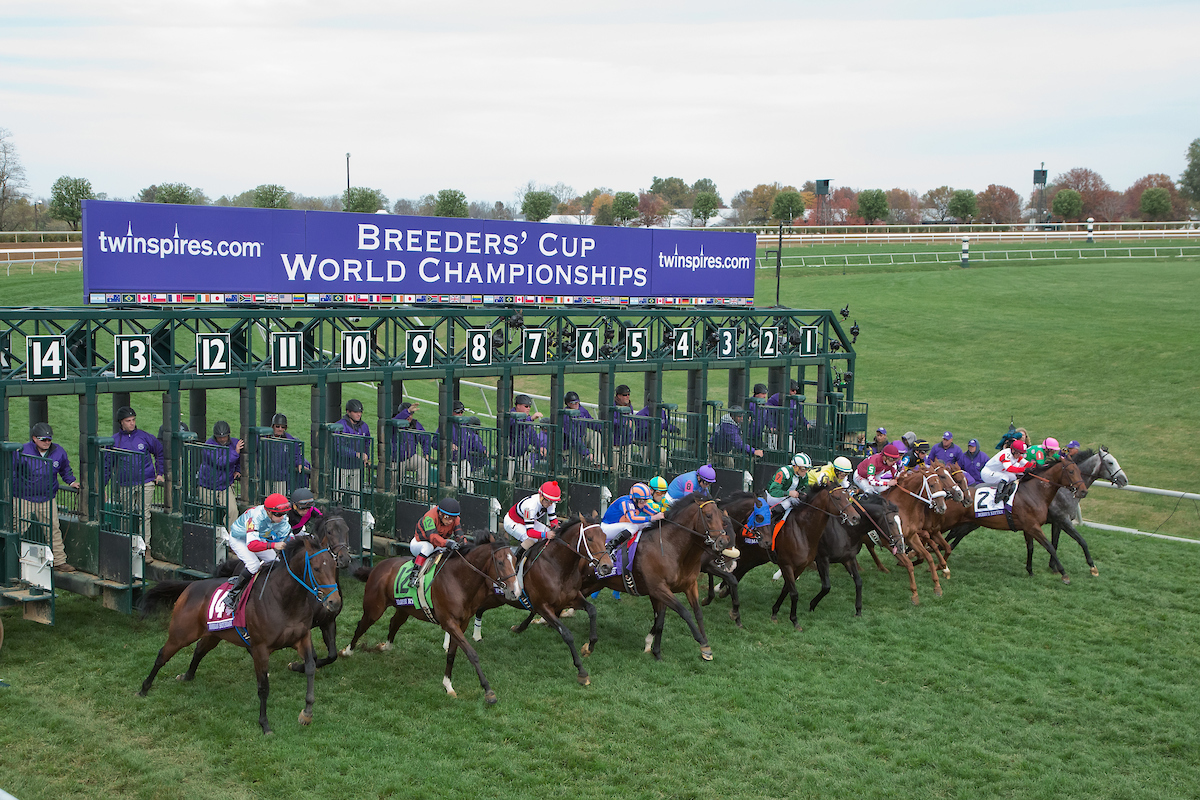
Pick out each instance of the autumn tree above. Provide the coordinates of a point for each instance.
(450, 203)
(602, 210)
(1133, 196)
(1189, 181)
(12, 173)
(538, 205)
(787, 206)
(674, 191)
(1094, 192)
(271, 195)
(904, 207)
(363, 200)
(625, 207)
(872, 205)
(653, 209)
(1156, 203)
(998, 205)
(1068, 204)
(843, 205)
(937, 202)
(705, 207)
(761, 200)
(66, 199)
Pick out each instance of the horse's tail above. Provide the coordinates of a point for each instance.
(362, 572)
(162, 593)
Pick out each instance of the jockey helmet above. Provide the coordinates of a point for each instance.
(707, 474)
(1017, 446)
(640, 491)
(842, 464)
(891, 451)
(449, 506)
(658, 484)
(920, 444)
(41, 430)
(459, 407)
(302, 498)
(550, 491)
(354, 405)
(571, 397)
(277, 503)
(220, 428)
(801, 461)
(1050, 443)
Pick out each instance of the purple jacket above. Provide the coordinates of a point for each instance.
(947, 455)
(35, 477)
(277, 455)
(796, 417)
(728, 439)
(972, 464)
(405, 440)
(345, 454)
(218, 464)
(132, 473)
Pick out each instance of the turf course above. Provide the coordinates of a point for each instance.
(1007, 686)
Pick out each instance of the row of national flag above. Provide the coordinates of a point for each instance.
(126, 298)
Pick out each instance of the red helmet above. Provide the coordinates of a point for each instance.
(550, 491)
(1017, 446)
(891, 451)
(277, 503)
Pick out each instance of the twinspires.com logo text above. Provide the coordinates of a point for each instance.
(164, 246)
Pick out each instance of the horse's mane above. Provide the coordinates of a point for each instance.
(736, 496)
(294, 544)
(683, 504)
(478, 538)
(1083, 455)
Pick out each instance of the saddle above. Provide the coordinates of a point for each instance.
(405, 594)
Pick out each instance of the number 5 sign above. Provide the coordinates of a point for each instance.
(132, 356)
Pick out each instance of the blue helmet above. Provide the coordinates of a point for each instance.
(640, 491)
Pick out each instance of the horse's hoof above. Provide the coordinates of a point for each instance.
(139, 693)
(514, 629)
(916, 600)
(774, 618)
(1095, 571)
(937, 591)
(384, 647)
(706, 653)
(733, 616)
(182, 678)
(584, 680)
(268, 732)
(649, 642)
(346, 652)
(490, 697)
(296, 666)
(567, 612)
(305, 718)
(1066, 580)
(946, 572)
(586, 650)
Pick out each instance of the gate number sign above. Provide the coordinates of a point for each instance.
(132, 356)
(684, 348)
(535, 346)
(587, 344)
(46, 358)
(212, 354)
(726, 342)
(768, 342)
(418, 346)
(286, 352)
(808, 341)
(636, 343)
(479, 347)
(356, 350)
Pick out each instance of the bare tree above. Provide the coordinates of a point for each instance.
(12, 173)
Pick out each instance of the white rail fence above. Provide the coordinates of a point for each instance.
(955, 256)
(63, 255)
(1143, 490)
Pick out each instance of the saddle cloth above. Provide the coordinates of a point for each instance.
(985, 504)
(219, 617)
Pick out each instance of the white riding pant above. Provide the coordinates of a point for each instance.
(251, 559)
(862, 484)
(614, 529)
(997, 475)
(520, 531)
(420, 548)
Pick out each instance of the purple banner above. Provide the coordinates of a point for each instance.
(139, 248)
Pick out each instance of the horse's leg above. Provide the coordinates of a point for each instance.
(1029, 556)
(693, 595)
(852, 567)
(177, 639)
(735, 610)
(398, 619)
(878, 564)
(823, 571)
(711, 590)
(457, 640)
(568, 638)
(329, 635)
(794, 594)
(203, 647)
(912, 576)
(919, 546)
(942, 548)
(654, 638)
(1078, 537)
(308, 658)
(373, 609)
(262, 658)
(1036, 533)
(520, 628)
(593, 636)
(789, 578)
(477, 634)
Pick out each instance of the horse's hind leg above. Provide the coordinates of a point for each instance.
(654, 638)
(262, 658)
(329, 635)
(711, 590)
(823, 571)
(878, 564)
(569, 639)
(1078, 537)
(372, 611)
(852, 567)
(203, 647)
(593, 636)
(520, 628)
(177, 639)
(457, 640)
(698, 632)
(1036, 533)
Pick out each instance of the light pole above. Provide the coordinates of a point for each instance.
(36, 208)
(347, 172)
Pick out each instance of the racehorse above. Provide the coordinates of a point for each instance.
(668, 561)
(280, 606)
(739, 507)
(841, 542)
(1030, 506)
(553, 578)
(1064, 509)
(463, 582)
(915, 493)
(332, 531)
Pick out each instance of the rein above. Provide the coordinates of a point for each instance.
(707, 534)
(496, 582)
(309, 581)
(845, 519)
(872, 533)
(583, 544)
(928, 501)
(1059, 482)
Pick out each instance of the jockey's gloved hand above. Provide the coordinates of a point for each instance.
(451, 544)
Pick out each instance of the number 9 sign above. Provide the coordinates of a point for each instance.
(419, 347)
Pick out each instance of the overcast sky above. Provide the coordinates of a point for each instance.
(485, 96)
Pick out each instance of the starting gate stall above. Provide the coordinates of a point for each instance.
(350, 478)
(205, 524)
(585, 459)
(684, 437)
(120, 499)
(27, 506)
(282, 467)
(473, 462)
(639, 453)
(412, 469)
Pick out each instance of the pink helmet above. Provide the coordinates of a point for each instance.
(890, 451)
(1050, 443)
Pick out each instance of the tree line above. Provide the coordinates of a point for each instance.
(1073, 195)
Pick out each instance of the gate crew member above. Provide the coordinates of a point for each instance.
(256, 536)
(146, 474)
(36, 468)
(350, 456)
(534, 517)
(220, 467)
(281, 464)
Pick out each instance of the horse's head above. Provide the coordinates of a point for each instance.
(1072, 478)
(893, 527)
(335, 534)
(843, 505)
(717, 533)
(588, 543)
(954, 480)
(502, 569)
(924, 484)
(1109, 469)
(312, 566)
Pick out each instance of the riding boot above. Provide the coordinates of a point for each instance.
(621, 539)
(414, 579)
(235, 591)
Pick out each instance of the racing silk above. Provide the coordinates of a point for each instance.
(218, 463)
(826, 475)
(257, 530)
(624, 509)
(529, 511)
(909, 460)
(1038, 456)
(276, 455)
(345, 454)
(35, 476)
(405, 440)
(136, 474)
(874, 472)
(684, 485)
(786, 480)
(298, 520)
(657, 506)
(430, 530)
(1007, 461)
(728, 439)
(973, 465)
(575, 429)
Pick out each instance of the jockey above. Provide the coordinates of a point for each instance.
(833, 475)
(256, 536)
(788, 481)
(438, 528)
(915, 457)
(628, 516)
(303, 511)
(878, 472)
(1044, 453)
(700, 480)
(1005, 467)
(533, 518)
(659, 502)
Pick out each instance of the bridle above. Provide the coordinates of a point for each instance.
(309, 581)
(1074, 486)
(583, 549)
(1103, 472)
(497, 582)
(707, 534)
(873, 534)
(927, 494)
(843, 513)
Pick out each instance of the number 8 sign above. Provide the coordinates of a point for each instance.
(479, 347)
